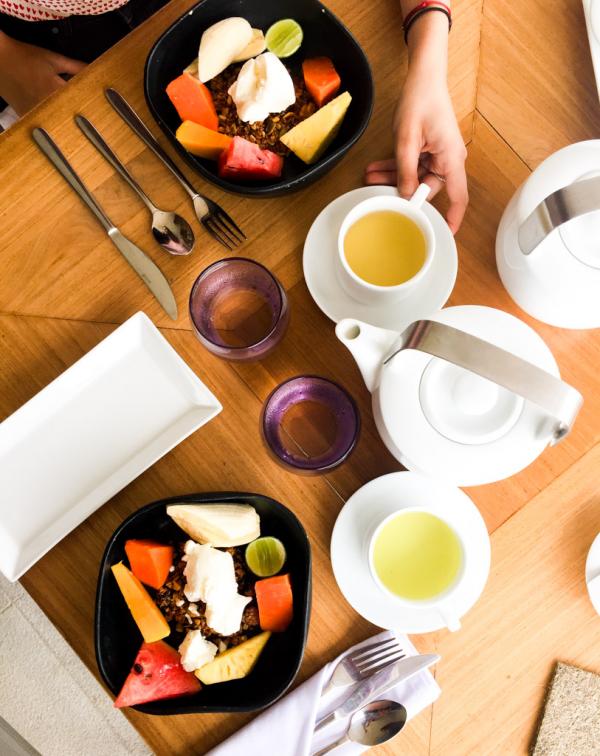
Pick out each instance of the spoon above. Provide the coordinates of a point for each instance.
(170, 230)
(376, 723)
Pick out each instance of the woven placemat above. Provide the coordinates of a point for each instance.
(571, 722)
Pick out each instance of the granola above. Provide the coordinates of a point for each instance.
(185, 615)
(265, 134)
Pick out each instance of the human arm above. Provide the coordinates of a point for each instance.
(427, 140)
(28, 74)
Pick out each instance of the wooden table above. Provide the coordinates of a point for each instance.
(523, 86)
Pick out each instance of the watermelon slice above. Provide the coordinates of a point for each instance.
(244, 160)
(156, 674)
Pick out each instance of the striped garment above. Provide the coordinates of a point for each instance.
(50, 10)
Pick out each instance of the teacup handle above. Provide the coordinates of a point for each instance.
(559, 400)
(420, 195)
(450, 620)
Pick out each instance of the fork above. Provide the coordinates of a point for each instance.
(361, 663)
(211, 215)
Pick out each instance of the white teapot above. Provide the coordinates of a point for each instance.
(548, 241)
(469, 396)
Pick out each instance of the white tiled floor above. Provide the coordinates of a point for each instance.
(47, 694)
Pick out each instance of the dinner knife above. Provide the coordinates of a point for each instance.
(147, 270)
(377, 684)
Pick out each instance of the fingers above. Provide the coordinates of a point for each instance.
(434, 182)
(410, 168)
(428, 176)
(65, 65)
(382, 165)
(388, 178)
(381, 172)
(456, 187)
(407, 164)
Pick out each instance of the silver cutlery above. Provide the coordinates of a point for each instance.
(360, 663)
(211, 215)
(170, 230)
(150, 273)
(377, 685)
(374, 724)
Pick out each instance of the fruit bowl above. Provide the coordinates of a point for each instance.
(324, 34)
(117, 639)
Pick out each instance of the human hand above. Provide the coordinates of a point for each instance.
(428, 145)
(28, 74)
(429, 148)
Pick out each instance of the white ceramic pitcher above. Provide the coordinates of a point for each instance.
(548, 241)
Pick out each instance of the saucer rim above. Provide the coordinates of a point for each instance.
(389, 311)
(398, 618)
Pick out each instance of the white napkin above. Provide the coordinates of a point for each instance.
(288, 725)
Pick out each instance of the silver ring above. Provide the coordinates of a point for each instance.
(437, 175)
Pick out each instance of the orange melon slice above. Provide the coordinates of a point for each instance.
(201, 141)
(148, 617)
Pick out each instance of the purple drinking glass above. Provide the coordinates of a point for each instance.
(238, 309)
(310, 424)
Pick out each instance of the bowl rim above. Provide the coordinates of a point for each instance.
(221, 497)
(312, 172)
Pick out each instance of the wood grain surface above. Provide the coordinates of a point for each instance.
(63, 288)
(536, 82)
(535, 611)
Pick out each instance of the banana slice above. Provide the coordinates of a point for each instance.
(217, 524)
(256, 45)
(220, 45)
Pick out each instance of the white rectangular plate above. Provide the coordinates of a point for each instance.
(89, 433)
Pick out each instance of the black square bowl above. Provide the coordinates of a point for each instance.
(324, 34)
(117, 638)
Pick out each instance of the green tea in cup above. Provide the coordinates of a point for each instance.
(385, 248)
(416, 555)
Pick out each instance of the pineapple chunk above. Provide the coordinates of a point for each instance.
(310, 138)
(234, 663)
(217, 524)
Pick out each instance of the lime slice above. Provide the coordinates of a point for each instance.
(265, 556)
(284, 37)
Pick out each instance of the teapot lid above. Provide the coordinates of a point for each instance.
(458, 426)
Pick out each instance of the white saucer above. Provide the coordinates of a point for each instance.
(592, 573)
(368, 506)
(319, 263)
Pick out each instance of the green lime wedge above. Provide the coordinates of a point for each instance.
(284, 37)
(265, 556)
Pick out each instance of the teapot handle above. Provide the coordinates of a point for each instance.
(559, 400)
(578, 198)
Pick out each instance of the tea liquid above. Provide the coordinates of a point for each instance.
(385, 248)
(417, 555)
(310, 428)
(241, 317)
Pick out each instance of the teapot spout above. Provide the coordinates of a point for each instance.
(368, 345)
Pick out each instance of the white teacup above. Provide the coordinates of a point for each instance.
(369, 293)
(442, 603)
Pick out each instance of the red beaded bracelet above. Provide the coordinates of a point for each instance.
(421, 9)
